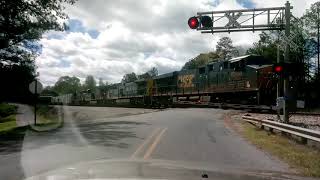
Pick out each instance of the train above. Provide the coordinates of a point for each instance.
(245, 80)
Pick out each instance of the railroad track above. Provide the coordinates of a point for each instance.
(307, 113)
(258, 108)
(242, 106)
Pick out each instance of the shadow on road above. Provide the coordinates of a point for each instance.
(11, 142)
(109, 133)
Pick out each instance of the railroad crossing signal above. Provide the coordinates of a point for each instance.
(206, 21)
(193, 22)
(278, 68)
(233, 19)
(284, 41)
(287, 69)
(239, 20)
(276, 18)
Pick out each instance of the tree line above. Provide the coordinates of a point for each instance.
(72, 84)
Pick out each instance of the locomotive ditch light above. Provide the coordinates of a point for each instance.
(193, 22)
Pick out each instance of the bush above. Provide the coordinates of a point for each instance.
(46, 110)
(7, 109)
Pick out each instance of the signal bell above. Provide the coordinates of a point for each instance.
(206, 21)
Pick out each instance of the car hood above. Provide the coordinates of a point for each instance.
(156, 169)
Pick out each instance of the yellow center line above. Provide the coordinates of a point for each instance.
(154, 144)
(145, 142)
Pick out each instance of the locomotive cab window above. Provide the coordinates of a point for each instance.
(210, 67)
(225, 65)
(238, 66)
(232, 66)
(202, 70)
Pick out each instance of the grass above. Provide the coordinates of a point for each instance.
(303, 158)
(7, 110)
(7, 117)
(47, 115)
(7, 126)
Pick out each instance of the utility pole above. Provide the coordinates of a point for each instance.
(318, 40)
(279, 79)
(286, 60)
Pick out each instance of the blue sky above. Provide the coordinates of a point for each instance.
(75, 25)
(246, 3)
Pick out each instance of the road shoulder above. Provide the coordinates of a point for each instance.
(301, 159)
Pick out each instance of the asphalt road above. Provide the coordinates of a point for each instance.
(93, 133)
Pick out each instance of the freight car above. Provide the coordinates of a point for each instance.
(246, 80)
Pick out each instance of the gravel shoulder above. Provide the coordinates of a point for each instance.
(306, 121)
(302, 159)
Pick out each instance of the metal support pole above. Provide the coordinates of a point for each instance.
(286, 59)
(279, 85)
(35, 102)
(279, 79)
(318, 42)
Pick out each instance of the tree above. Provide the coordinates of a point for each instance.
(48, 91)
(15, 81)
(27, 20)
(101, 84)
(153, 72)
(312, 25)
(90, 83)
(200, 60)
(225, 49)
(67, 84)
(103, 87)
(22, 23)
(131, 77)
(266, 46)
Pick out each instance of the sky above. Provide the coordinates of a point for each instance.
(108, 38)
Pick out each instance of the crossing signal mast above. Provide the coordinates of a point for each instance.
(260, 19)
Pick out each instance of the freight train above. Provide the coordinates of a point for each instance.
(244, 80)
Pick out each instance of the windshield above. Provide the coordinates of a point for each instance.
(225, 86)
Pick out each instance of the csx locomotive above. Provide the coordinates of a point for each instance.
(246, 80)
(242, 80)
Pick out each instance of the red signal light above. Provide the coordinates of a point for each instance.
(193, 22)
(278, 69)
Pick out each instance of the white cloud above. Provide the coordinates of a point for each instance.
(299, 6)
(134, 36)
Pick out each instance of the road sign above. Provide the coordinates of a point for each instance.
(35, 87)
(258, 19)
(288, 40)
(233, 19)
